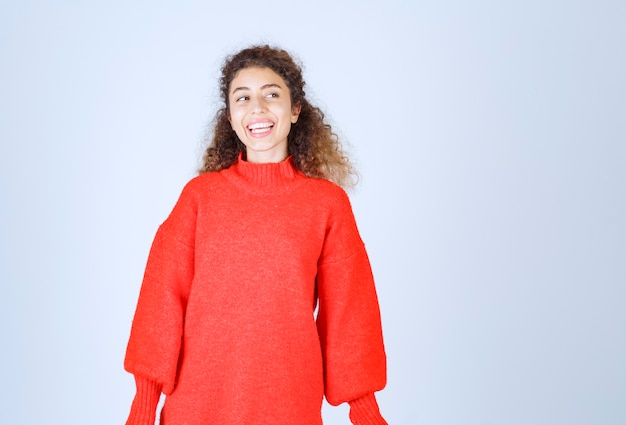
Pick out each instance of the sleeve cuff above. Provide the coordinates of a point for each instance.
(143, 409)
(365, 411)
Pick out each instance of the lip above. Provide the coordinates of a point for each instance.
(260, 128)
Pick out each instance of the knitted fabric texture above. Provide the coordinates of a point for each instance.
(257, 301)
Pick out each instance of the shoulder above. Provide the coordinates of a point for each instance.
(203, 180)
(325, 189)
(202, 183)
(327, 195)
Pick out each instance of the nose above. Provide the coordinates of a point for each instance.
(256, 104)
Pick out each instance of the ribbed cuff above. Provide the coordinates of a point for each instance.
(365, 411)
(143, 409)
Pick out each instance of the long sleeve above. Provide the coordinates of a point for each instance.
(364, 411)
(349, 321)
(143, 409)
(154, 345)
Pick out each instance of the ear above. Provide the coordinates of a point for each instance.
(295, 112)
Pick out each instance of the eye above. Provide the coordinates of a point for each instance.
(271, 95)
(242, 99)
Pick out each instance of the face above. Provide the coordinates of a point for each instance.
(261, 113)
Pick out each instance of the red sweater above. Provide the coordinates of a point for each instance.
(226, 323)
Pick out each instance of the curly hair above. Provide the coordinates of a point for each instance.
(313, 146)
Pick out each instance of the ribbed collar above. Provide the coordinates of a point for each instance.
(264, 178)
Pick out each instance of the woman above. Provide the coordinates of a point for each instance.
(258, 298)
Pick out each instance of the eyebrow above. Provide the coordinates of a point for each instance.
(263, 87)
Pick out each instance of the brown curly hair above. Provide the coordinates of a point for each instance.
(313, 146)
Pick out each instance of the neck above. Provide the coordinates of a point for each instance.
(266, 177)
(266, 157)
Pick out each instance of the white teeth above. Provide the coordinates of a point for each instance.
(259, 125)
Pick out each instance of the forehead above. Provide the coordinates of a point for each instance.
(251, 78)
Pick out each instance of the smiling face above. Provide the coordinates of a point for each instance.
(261, 113)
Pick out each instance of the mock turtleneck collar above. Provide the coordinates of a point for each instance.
(264, 178)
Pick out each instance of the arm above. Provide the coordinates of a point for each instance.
(349, 321)
(156, 334)
(143, 409)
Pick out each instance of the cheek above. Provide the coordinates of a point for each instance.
(234, 118)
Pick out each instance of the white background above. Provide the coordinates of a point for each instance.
(491, 137)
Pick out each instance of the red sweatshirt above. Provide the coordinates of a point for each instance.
(226, 323)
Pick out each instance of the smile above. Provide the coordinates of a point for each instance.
(260, 128)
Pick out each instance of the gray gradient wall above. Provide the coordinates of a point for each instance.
(490, 137)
